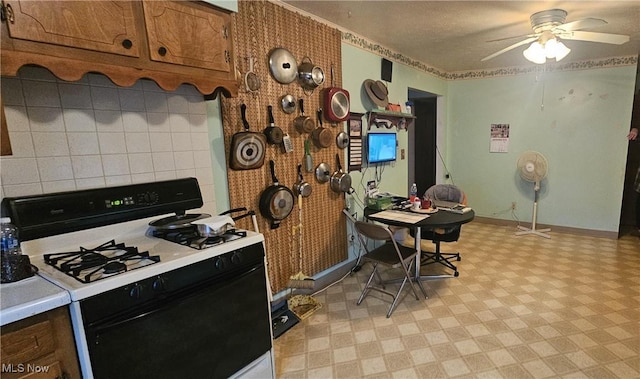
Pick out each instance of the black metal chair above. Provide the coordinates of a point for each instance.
(390, 254)
(443, 192)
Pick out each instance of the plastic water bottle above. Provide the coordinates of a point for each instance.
(413, 192)
(9, 241)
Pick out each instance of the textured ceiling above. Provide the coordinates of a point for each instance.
(452, 35)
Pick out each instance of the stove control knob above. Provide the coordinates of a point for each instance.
(219, 263)
(160, 284)
(136, 291)
(236, 258)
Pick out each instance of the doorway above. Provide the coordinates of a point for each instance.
(422, 140)
(629, 196)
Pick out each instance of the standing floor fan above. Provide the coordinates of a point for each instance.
(532, 167)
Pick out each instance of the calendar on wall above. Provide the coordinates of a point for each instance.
(355, 141)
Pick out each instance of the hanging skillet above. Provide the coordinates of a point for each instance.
(276, 201)
(274, 134)
(321, 136)
(336, 102)
(247, 148)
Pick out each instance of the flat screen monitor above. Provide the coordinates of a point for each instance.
(381, 147)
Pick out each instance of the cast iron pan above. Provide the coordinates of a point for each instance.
(276, 201)
(247, 148)
(274, 134)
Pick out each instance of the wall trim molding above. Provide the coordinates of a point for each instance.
(554, 228)
(361, 42)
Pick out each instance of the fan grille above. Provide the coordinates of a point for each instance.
(532, 166)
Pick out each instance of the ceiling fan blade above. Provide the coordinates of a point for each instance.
(616, 39)
(585, 23)
(512, 37)
(523, 42)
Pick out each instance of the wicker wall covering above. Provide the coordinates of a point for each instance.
(259, 27)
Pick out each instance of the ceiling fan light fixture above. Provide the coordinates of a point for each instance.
(561, 51)
(535, 53)
(539, 53)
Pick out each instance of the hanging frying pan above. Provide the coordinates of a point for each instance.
(274, 134)
(302, 123)
(335, 102)
(247, 148)
(321, 136)
(276, 201)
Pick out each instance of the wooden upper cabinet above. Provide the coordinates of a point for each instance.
(169, 42)
(182, 33)
(106, 26)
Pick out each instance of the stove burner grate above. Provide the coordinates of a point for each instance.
(189, 236)
(108, 259)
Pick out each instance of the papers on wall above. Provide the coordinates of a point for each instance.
(499, 138)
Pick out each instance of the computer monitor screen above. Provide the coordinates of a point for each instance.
(381, 147)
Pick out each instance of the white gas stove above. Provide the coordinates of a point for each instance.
(134, 234)
(192, 306)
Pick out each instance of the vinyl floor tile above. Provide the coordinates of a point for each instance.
(522, 307)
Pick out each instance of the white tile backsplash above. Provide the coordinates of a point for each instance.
(41, 94)
(17, 119)
(115, 164)
(112, 143)
(105, 98)
(131, 100)
(12, 92)
(75, 95)
(87, 166)
(50, 144)
(79, 120)
(83, 143)
(141, 163)
(92, 133)
(135, 122)
(19, 171)
(45, 119)
(55, 168)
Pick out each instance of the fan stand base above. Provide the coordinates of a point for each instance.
(533, 230)
(538, 232)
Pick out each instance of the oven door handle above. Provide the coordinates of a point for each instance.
(99, 328)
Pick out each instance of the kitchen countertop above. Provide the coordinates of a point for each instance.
(29, 297)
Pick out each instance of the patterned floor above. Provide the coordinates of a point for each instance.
(522, 307)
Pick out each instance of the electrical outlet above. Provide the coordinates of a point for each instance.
(513, 205)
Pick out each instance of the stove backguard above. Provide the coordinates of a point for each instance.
(63, 212)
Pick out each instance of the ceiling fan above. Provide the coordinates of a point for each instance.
(549, 28)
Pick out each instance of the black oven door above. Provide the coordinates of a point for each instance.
(208, 332)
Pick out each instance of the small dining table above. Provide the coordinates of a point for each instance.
(440, 219)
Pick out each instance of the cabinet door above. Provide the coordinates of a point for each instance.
(106, 26)
(188, 34)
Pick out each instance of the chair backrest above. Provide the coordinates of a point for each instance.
(446, 192)
(374, 231)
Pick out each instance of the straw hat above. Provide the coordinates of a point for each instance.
(377, 92)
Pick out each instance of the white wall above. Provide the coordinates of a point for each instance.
(577, 119)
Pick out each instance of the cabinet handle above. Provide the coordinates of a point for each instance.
(127, 44)
(162, 51)
(7, 13)
(225, 32)
(227, 56)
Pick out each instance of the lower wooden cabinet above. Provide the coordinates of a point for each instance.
(40, 346)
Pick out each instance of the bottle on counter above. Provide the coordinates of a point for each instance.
(413, 192)
(9, 241)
